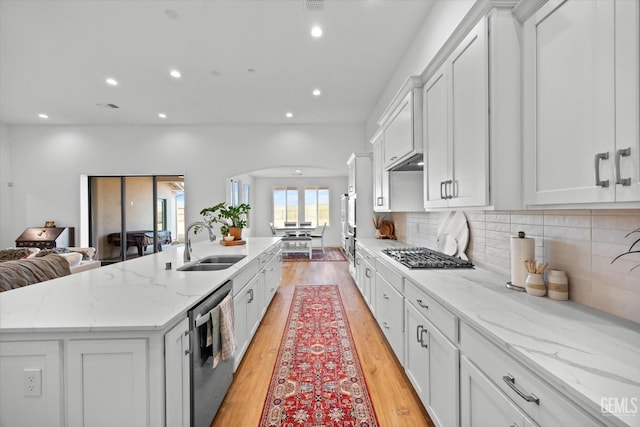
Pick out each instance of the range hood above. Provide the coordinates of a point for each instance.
(414, 163)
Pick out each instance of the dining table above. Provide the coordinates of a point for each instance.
(297, 230)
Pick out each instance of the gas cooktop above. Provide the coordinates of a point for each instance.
(418, 257)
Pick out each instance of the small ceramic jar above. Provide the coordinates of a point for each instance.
(558, 285)
(534, 284)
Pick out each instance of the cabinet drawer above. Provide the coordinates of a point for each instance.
(394, 278)
(441, 318)
(552, 407)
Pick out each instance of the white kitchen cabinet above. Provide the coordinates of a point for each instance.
(403, 126)
(109, 370)
(581, 91)
(431, 361)
(272, 274)
(247, 308)
(40, 410)
(177, 380)
(472, 156)
(482, 404)
(380, 177)
(389, 306)
(369, 283)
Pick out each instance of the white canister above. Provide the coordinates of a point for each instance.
(534, 284)
(558, 287)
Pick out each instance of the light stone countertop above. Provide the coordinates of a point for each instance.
(587, 354)
(138, 294)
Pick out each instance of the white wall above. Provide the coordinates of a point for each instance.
(264, 203)
(436, 29)
(5, 179)
(47, 161)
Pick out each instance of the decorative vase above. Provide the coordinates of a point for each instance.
(534, 284)
(236, 232)
(558, 285)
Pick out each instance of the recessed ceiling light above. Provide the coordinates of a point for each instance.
(298, 171)
(316, 92)
(111, 81)
(289, 115)
(43, 116)
(175, 74)
(162, 115)
(316, 31)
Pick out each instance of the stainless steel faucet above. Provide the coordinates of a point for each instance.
(187, 245)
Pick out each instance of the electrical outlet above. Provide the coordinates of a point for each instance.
(32, 382)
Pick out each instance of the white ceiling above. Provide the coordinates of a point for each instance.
(56, 54)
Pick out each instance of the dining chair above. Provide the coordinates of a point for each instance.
(319, 235)
(305, 232)
(290, 224)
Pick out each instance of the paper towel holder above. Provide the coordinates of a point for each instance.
(510, 285)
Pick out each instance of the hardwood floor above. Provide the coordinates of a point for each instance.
(393, 397)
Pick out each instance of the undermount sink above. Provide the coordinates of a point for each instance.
(206, 267)
(212, 263)
(224, 259)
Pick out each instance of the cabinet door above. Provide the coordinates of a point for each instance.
(417, 352)
(469, 113)
(380, 178)
(368, 287)
(398, 135)
(177, 381)
(254, 304)
(482, 404)
(443, 378)
(436, 141)
(389, 305)
(627, 99)
(240, 305)
(113, 371)
(570, 102)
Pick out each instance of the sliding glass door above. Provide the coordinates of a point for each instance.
(133, 216)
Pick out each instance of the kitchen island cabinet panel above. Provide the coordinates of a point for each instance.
(177, 381)
(101, 371)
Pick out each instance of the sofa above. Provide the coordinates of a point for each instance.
(26, 266)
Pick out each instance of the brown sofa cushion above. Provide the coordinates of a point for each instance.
(24, 272)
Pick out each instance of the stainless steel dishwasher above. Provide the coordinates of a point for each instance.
(209, 384)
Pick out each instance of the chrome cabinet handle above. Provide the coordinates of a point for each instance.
(454, 188)
(422, 343)
(384, 324)
(623, 152)
(250, 292)
(393, 158)
(357, 261)
(419, 301)
(419, 329)
(385, 296)
(367, 273)
(598, 157)
(511, 382)
(450, 189)
(442, 196)
(380, 201)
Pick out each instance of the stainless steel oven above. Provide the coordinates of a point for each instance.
(209, 381)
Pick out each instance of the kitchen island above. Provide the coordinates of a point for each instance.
(95, 341)
(573, 365)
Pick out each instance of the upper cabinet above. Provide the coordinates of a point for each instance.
(472, 120)
(401, 125)
(581, 103)
(380, 177)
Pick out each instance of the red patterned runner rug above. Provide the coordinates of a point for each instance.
(317, 379)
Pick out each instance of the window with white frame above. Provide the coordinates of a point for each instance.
(316, 205)
(285, 205)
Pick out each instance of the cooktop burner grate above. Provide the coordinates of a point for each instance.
(418, 257)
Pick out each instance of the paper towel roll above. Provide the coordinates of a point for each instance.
(522, 248)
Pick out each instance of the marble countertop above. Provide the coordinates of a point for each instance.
(139, 294)
(587, 354)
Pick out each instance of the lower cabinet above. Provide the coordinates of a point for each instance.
(389, 314)
(483, 404)
(176, 371)
(431, 364)
(247, 308)
(109, 370)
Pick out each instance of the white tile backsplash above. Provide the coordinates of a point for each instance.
(580, 242)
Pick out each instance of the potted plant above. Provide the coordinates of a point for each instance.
(232, 218)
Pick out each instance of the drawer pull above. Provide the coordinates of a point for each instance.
(422, 343)
(598, 157)
(384, 324)
(421, 304)
(511, 382)
(418, 334)
(385, 296)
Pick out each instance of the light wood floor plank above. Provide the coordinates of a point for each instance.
(393, 397)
